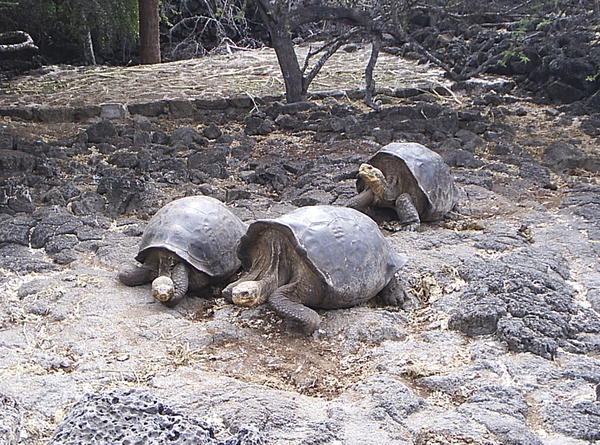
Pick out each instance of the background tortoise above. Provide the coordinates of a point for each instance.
(188, 244)
(318, 256)
(409, 178)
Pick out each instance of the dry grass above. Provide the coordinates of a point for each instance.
(245, 73)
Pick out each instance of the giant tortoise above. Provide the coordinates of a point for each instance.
(409, 178)
(314, 257)
(188, 244)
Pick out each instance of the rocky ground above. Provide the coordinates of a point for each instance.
(498, 344)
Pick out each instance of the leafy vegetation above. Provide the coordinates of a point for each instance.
(60, 27)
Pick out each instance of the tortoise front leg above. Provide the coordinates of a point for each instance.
(180, 279)
(361, 201)
(393, 294)
(407, 213)
(134, 275)
(282, 304)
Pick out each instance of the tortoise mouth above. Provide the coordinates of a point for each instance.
(248, 293)
(372, 178)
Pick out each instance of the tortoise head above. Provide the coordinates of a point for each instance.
(248, 293)
(163, 288)
(373, 179)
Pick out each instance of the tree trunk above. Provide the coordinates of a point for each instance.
(288, 62)
(276, 23)
(149, 31)
(88, 44)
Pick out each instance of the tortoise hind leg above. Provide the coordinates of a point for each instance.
(407, 213)
(361, 201)
(282, 304)
(134, 275)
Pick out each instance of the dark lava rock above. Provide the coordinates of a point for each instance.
(102, 131)
(160, 137)
(288, 122)
(581, 420)
(256, 125)
(503, 411)
(52, 222)
(561, 156)
(584, 201)
(123, 191)
(273, 176)
(525, 300)
(129, 416)
(89, 203)
(313, 197)
(16, 161)
(15, 197)
(212, 131)
(537, 174)
(61, 248)
(134, 416)
(187, 136)
(123, 158)
(563, 92)
(106, 148)
(212, 161)
(15, 229)
(20, 259)
(461, 158)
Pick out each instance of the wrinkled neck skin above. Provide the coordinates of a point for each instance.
(270, 269)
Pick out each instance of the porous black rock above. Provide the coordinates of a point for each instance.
(580, 420)
(15, 197)
(273, 176)
(129, 416)
(212, 131)
(255, 125)
(524, 299)
(89, 203)
(561, 156)
(133, 415)
(122, 189)
(16, 161)
(187, 136)
(102, 131)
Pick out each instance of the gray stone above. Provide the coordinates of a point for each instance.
(212, 131)
(113, 111)
(89, 203)
(562, 156)
(580, 420)
(16, 161)
(157, 108)
(15, 229)
(129, 416)
(187, 136)
(179, 108)
(525, 300)
(102, 131)
(255, 125)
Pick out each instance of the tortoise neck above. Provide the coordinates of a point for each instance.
(270, 267)
(377, 185)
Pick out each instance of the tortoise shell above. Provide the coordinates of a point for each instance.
(342, 246)
(415, 169)
(201, 230)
